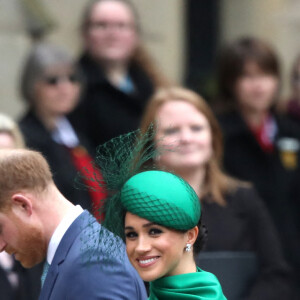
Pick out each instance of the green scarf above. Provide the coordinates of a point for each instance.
(199, 285)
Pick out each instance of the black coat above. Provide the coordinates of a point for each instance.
(37, 137)
(245, 159)
(7, 292)
(244, 224)
(104, 111)
(29, 283)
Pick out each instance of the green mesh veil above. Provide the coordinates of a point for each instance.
(118, 160)
(134, 184)
(163, 198)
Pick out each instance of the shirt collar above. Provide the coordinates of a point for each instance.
(61, 229)
(64, 133)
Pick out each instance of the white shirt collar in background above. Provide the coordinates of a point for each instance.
(64, 133)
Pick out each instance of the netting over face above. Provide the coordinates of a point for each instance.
(158, 196)
(153, 209)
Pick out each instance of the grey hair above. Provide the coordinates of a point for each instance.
(89, 7)
(9, 126)
(40, 58)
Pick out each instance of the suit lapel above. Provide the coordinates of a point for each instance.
(64, 246)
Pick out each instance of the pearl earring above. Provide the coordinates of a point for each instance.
(188, 248)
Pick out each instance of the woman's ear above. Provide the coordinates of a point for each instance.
(192, 235)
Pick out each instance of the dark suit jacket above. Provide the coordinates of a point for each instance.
(91, 263)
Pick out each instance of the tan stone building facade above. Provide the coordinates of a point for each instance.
(163, 21)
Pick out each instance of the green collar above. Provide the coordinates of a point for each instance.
(199, 285)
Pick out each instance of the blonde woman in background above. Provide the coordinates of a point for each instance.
(10, 134)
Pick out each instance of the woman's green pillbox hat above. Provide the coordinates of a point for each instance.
(162, 198)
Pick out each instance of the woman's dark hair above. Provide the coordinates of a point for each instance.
(233, 58)
(201, 238)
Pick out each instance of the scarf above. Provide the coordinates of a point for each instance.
(199, 285)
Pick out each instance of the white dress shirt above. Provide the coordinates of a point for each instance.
(64, 133)
(61, 229)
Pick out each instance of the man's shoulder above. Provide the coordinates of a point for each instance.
(97, 238)
(94, 244)
(96, 260)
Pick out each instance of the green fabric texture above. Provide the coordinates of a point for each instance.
(163, 198)
(199, 285)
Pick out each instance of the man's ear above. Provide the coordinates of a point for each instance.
(21, 204)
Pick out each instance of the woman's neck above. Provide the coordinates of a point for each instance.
(253, 117)
(48, 120)
(115, 72)
(195, 178)
(187, 265)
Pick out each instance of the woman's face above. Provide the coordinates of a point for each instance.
(255, 90)
(56, 93)
(154, 250)
(6, 141)
(185, 131)
(111, 35)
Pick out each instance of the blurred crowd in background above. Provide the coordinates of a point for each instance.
(241, 139)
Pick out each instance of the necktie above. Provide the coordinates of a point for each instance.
(45, 271)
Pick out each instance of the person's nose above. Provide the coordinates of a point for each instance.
(185, 135)
(143, 245)
(64, 83)
(66, 88)
(259, 81)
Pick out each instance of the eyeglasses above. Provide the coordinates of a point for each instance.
(105, 26)
(55, 80)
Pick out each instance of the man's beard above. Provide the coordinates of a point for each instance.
(31, 246)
